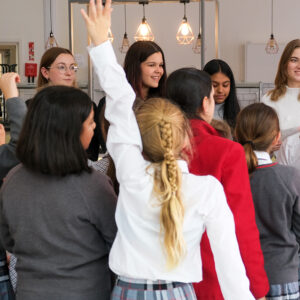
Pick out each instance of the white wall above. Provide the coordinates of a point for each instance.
(241, 21)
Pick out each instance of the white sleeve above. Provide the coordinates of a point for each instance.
(221, 233)
(124, 142)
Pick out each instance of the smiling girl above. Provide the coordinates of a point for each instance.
(145, 69)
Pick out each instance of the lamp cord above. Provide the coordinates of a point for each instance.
(271, 16)
(125, 17)
(200, 17)
(184, 11)
(51, 16)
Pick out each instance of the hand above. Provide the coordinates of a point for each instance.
(98, 21)
(263, 298)
(8, 85)
(2, 135)
(276, 147)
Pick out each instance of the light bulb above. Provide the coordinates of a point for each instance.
(197, 45)
(51, 42)
(110, 36)
(185, 34)
(272, 46)
(125, 44)
(144, 32)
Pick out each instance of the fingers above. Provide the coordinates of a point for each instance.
(107, 7)
(99, 7)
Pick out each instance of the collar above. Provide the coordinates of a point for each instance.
(183, 166)
(263, 158)
(201, 127)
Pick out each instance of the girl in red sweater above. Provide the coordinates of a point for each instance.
(190, 89)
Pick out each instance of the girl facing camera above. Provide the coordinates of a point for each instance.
(59, 221)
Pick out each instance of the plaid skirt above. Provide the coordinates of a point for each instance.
(136, 289)
(286, 291)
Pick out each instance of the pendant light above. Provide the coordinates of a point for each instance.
(144, 32)
(125, 42)
(197, 44)
(272, 46)
(185, 34)
(110, 36)
(51, 42)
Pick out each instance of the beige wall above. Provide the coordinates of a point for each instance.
(241, 21)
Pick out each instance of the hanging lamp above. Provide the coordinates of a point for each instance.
(51, 42)
(144, 32)
(272, 46)
(185, 34)
(125, 42)
(197, 44)
(110, 36)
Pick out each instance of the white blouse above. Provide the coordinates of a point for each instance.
(137, 251)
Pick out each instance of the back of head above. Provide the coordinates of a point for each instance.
(136, 54)
(47, 60)
(187, 87)
(256, 128)
(49, 142)
(165, 132)
(281, 78)
(231, 106)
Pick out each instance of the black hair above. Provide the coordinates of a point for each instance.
(49, 142)
(188, 87)
(231, 106)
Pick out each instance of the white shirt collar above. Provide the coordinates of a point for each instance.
(263, 157)
(183, 166)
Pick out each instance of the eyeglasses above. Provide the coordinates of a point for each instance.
(63, 68)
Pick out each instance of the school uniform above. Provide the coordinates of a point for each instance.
(225, 160)
(276, 196)
(137, 254)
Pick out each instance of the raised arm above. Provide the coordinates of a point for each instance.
(16, 110)
(123, 141)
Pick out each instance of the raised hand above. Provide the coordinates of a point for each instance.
(8, 85)
(98, 21)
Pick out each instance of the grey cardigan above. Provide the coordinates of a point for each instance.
(60, 229)
(276, 196)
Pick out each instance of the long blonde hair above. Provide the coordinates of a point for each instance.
(256, 128)
(165, 133)
(281, 78)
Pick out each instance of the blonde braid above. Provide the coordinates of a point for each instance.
(172, 211)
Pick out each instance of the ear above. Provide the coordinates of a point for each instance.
(45, 73)
(276, 139)
(203, 111)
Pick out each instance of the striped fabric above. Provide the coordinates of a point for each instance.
(286, 291)
(128, 289)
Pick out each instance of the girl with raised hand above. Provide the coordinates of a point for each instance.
(162, 209)
(276, 195)
(56, 213)
(213, 155)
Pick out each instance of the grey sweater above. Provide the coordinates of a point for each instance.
(60, 229)
(276, 196)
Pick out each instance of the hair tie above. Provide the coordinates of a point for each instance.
(248, 142)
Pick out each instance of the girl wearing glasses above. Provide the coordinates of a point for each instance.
(57, 67)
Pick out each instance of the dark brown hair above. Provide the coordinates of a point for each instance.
(136, 54)
(256, 128)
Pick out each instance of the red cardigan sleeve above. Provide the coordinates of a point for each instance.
(235, 180)
(226, 161)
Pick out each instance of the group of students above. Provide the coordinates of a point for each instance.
(187, 222)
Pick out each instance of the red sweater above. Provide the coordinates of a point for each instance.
(225, 160)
